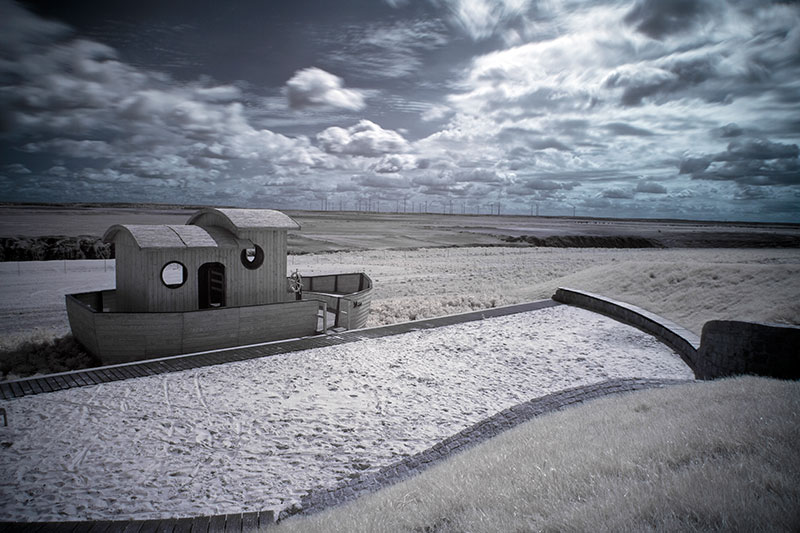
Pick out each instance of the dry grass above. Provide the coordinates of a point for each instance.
(688, 287)
(719, 456)
(44, 354)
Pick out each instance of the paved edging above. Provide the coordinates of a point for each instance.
(484, 430)
(93, 376)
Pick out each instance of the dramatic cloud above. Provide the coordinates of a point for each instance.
(650, 187)
(365, 138)
(385, 50)
(750, 162)
(395, 163)
(609, 108)
(313, 87)
(616, 193)
(660, 18)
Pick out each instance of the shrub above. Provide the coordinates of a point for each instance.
(57, 355)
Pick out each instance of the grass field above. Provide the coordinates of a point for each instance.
(717, 456)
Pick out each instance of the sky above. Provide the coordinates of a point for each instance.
(606, 108)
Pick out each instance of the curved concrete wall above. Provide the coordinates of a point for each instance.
(676, 337)
(726, 348)
(730, 347)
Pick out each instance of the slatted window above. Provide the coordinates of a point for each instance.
(211, 285)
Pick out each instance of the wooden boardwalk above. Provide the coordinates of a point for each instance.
(93, 376)
(230, 523)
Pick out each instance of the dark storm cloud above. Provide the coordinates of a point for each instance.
(748, 161)
(729, 130)
(668, 79)
(757, 149)
(694, 165)
(650, 187)
(661, 18)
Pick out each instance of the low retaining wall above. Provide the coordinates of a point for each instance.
(726, 347)
(730, 347)
(676, 337)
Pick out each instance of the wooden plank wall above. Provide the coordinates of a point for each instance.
(81, 321)
(359, 312)
(140, 289)
(126, 337)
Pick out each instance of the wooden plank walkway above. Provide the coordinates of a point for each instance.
(92, 376)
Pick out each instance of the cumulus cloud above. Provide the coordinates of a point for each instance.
(313, 87)
(75, 98)
(480, 175)
(394, 163)
(538, 184)
(16, 168)
(365, 139)
(650, 187)
(616, 193)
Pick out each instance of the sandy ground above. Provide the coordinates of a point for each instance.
(258, 434)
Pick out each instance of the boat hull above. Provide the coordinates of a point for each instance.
(121, 337)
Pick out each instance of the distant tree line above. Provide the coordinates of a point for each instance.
(54, 247)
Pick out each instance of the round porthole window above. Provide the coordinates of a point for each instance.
(173, 275)
(253, 257)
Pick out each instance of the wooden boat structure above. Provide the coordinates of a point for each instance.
(217, 281)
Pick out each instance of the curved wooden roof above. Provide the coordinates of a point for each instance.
(244, 219)
(176, 236)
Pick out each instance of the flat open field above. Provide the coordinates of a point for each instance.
(331, 230)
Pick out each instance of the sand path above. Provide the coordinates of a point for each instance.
(258, 434)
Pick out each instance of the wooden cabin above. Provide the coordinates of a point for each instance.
(217, 281)
(219, 258)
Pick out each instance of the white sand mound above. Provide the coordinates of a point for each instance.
(257, 434)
